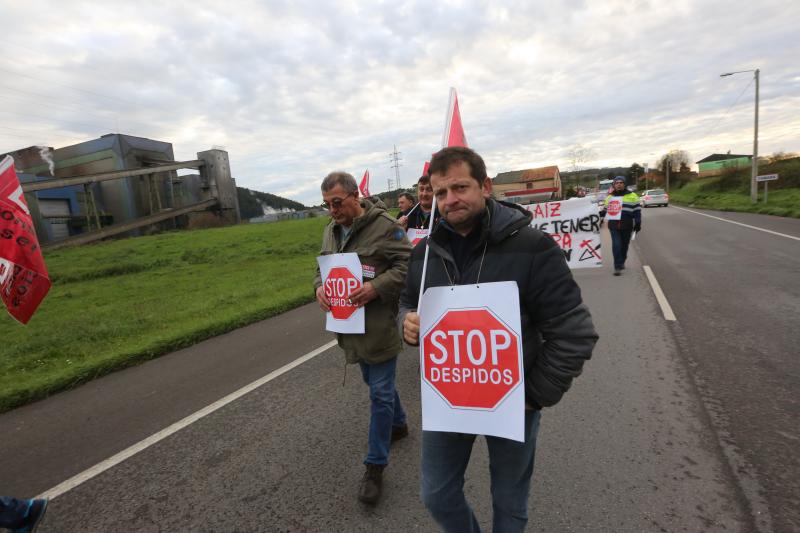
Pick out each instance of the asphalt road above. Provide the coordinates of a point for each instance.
(663, 432)
(736, 293)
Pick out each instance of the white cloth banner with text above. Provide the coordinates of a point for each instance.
(575, 226)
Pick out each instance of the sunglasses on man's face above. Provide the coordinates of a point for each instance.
(335, 203)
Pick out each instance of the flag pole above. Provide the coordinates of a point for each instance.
(412, 209)
(448, 121)
(427, 250)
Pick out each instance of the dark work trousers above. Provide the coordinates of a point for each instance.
(620, 239)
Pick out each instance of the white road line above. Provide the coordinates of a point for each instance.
(114, 460)
(740, 224)
(662, 300)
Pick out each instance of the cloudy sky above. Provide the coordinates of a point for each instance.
(295, 89)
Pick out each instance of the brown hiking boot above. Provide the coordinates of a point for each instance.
(371, 484)
(399, 432)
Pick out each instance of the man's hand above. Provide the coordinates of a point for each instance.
(322, 300)
(403, 221)
(362, 296)
(411, 328)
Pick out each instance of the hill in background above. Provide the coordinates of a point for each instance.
(255, 203)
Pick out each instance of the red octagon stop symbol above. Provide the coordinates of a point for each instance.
(338, 286)
(471, 359)
(614, 207)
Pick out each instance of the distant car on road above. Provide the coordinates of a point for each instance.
(592, 197)
(655, 197)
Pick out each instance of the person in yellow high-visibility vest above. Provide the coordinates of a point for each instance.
(623, 213)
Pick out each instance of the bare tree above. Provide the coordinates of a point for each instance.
(675, 159)
(780, 155)
(577, 155)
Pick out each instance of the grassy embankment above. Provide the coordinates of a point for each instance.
(731, 191)
(118, 303)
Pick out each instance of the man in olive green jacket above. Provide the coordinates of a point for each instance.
(360, 226)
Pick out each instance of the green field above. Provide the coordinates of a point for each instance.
(118, 303)
(730, 191)
(780, 202)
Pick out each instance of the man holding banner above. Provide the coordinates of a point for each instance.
(419, 217)
(418, 221)
(482, 241)
(358, 226)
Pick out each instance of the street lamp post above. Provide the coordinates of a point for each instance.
(754, 171)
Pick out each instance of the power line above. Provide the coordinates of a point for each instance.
(50, 103)
(729, 108)
(27, 114)
(13, 73)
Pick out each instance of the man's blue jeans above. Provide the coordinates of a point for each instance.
(386, 409)
(445, 457)
(620, 239)
(12, 511)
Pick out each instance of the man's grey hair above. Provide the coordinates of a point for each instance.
(347, 181)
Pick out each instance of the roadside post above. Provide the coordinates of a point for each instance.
(766, 178)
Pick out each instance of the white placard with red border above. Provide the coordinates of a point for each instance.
(614, 208)
(416, 234)
(341, 275)
(575, 226)
(471, 360)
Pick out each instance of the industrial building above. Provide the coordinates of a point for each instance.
(66, 211)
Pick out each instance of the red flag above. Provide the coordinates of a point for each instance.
(23, 275)
(453, 129)
(425, 168)
(364, 185)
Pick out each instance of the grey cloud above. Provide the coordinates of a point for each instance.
(294, 89)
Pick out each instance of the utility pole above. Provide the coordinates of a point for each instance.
(754, 173)
(753, 184)
(395, 159)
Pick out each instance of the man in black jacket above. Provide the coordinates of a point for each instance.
(482, 240)
(419, 217)
(405, 202)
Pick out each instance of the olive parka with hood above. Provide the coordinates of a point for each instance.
(381, 244)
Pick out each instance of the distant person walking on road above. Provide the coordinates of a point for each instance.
(480, 240)
(357, 225)
(405, 202)
(623, 213)
(21, 516)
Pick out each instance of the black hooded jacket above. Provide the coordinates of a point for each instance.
(557, 330)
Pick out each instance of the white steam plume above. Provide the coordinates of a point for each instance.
(44, 153)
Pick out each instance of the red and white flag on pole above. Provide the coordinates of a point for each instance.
(453, 136)
(23, 275)
(425, 168)
(453, 128)
(364, 185)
